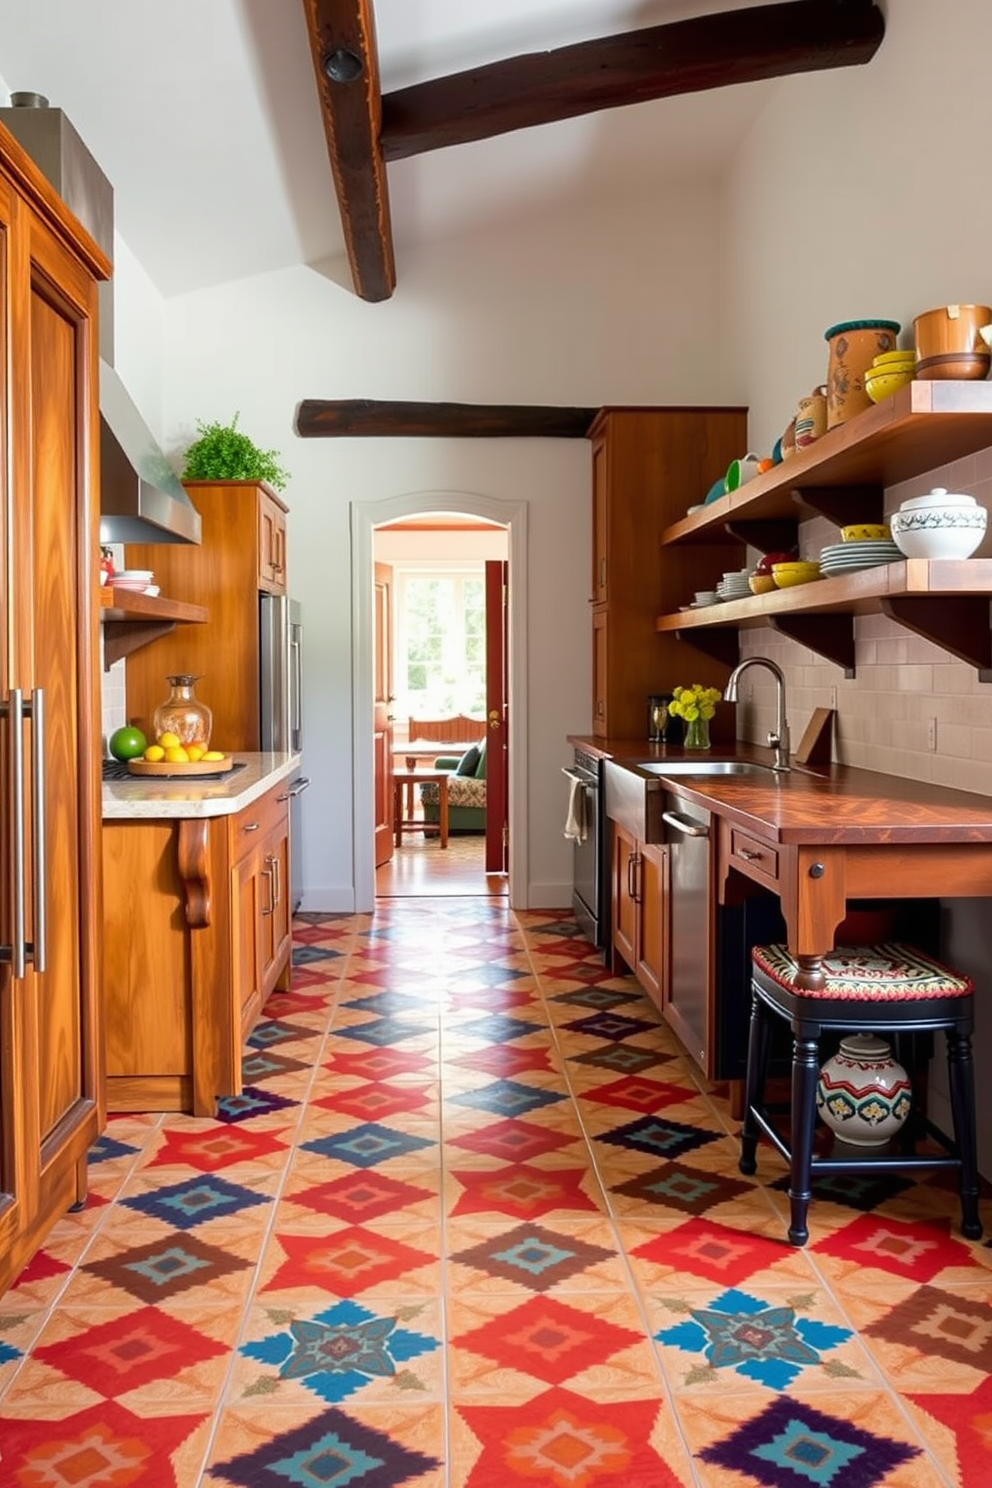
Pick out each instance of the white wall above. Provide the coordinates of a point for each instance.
(615, 304)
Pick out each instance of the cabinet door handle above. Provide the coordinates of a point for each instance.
(631, 889)
(685, 824)
(16, 952)
(276, 881)
(250, 827)
(267, 909)
(602, 573)
(36, 709)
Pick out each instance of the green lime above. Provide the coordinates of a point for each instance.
(127, 743)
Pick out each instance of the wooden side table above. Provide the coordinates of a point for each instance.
(403, 779)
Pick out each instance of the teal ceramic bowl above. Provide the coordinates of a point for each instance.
(716, 490)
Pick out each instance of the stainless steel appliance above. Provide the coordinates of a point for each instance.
(590, 868)
(280, 623)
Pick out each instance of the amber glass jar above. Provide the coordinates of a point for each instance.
(183, 714)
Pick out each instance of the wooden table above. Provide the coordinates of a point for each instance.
(405, 780)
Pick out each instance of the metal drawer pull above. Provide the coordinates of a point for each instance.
(752, 857)
(267, 875)
(276, 882)
(685, 824)
(299, 786)
(15, 953)
(250, 827)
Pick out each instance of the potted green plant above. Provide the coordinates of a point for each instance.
(224, 452)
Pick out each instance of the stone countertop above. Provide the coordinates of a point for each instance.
(834, 804)
(146, 798)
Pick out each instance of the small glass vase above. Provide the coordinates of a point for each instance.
(697, 733)
(183, 714)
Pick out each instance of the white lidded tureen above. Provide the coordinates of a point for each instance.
(942, 524)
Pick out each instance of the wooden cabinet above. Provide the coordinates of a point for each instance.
(649, 466)
(242, 550)
(51, 1087)
(197, 936)
(843, 476)
(640, 912)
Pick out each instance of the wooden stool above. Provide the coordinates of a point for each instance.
(887, 988)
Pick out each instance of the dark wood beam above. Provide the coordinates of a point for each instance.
(346, 63)
(712, 51)
(318, 418)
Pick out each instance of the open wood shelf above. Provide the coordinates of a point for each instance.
(131, 620)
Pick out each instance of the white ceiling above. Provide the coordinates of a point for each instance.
(204, 115)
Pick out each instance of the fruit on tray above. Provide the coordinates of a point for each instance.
(168, 748)
(127, 743)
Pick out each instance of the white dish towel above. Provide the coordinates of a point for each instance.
(575, 820)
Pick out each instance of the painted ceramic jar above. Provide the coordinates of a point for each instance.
(863, 1093)
(854, 345)
(811, 418)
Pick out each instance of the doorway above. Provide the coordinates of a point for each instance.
(366, 518)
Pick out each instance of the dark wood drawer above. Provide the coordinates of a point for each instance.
(759, 860)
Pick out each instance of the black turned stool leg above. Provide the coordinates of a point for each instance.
(758, 1043)
(805, 1073)
(961, 1079)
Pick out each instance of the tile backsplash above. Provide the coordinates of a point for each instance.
(912, 709)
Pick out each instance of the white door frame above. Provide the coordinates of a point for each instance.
(365, 517)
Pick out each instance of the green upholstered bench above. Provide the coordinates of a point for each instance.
(466, 791)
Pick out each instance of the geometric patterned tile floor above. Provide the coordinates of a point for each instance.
(476, 1222)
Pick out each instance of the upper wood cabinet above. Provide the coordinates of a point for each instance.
(648, 466)
(51, 1072)
(224, 574)
(843, 476)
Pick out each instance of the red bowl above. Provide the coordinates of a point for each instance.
(764, 565)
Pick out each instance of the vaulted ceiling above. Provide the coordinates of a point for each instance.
(244, 137)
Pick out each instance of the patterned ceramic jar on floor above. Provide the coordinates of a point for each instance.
(854, 345)
(863, 1093)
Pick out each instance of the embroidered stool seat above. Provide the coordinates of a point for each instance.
(890, 988)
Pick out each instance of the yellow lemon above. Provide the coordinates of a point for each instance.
(170, 741)
(177, 756)
(195, 752)
(214, 754)
(154, 753)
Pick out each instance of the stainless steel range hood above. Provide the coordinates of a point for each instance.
(141, 498)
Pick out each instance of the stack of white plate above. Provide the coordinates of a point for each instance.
(734, 585)
(138, 580)
(848, 557)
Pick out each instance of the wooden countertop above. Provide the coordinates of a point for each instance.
(837, 804)
(145, 798)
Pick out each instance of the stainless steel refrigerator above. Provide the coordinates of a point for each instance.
(281, 693)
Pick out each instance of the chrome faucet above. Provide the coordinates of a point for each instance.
(778, 739)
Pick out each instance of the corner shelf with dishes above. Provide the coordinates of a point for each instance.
(131, 619)
(843, 476)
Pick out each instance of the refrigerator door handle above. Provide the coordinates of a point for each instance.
(299, 785)
(16, 952)
(36, 710)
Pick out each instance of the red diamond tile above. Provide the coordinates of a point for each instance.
(346, 1263)
(711, 1250)
(504, 1060)
(639, 1094)
(548, 1340)
(129, 1351)
(918, 1250)
(360, 1196)
(516, 1141)
(376, 1064)
(523, 1191)
(970, 1419)
(374, 1102)
(561, 1440)
(217, 1147)
(105, 1444)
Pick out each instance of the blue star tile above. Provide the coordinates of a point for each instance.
(507, 1098)
(384, 1031)
(659, 1138)
(105, 1148)
(609, 1025)
(768, 1344)
(251, 1102)
(331, 1451)
(793, 1445)
(499, 1028)
(184, 1205)
(365, 1146)
(305, 955)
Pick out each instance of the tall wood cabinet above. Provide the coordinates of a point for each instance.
(51, 1086)
(242, 554)
(649, 465)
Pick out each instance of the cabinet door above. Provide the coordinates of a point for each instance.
(651, 965)
(600, 522)
(275, 894)
(600, 672)
(625, 927)
(251, 888)
(271, 545)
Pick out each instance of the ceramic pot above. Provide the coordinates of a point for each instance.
(787, 444)
(854, 345)
(811, 418)
(950, 343)
(742, 470)
(863, 1093)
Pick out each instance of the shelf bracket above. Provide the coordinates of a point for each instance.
(721, 645)
(959, 624)
(843, 504)
(121, 637)
(830, 636)
(768, 536)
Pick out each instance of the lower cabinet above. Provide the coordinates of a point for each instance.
(640, 912)
(196, 936)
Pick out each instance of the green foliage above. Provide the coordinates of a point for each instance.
(222, 452)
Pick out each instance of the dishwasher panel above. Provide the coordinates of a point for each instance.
(689, 839)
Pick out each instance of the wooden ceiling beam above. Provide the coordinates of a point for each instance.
(318, 418)
(712, 51)
(346, 64)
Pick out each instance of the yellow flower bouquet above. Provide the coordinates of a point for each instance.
(696, 705)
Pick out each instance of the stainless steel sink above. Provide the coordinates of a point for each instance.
(705, 767)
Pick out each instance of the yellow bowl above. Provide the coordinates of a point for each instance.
(879, 385)
(866, 532)
(894, 360)
(787, 574)
(762, 583)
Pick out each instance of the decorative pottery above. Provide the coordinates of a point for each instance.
(787, 444)
(863, 1094)
(183, 714)
(739, 471)
(697, 733)
(854, 345)
(811, 418)
(951, 531)
(950, 342)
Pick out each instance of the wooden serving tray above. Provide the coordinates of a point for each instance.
(166, 767)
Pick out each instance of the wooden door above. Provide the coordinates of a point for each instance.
(497, 721)
(382, 720)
